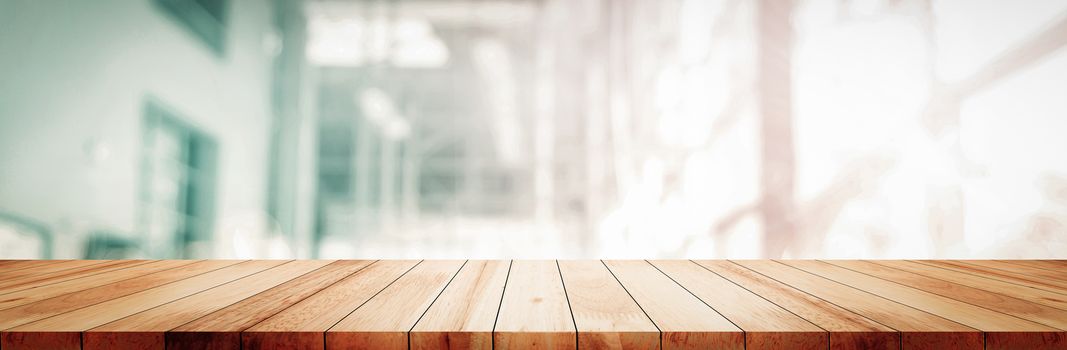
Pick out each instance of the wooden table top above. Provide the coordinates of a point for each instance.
(533, 304)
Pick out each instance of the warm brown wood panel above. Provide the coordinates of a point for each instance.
(684, 321)
(522, 304)
(919, 329)
(1057, 265)
(221, 330)
(145, 330)
(65, 329)
(1016, 268)
(766, 325)
(999, 328)
(303, 326)
(384, 321)
(72, 301)
(51, 273)
(15, 265)
(534, 313)
(1035, 295)
(27, 296)
(464, 314)
(44, 268)
(1051, 285)
(848, 330)
(606, 316)
(1004, 304)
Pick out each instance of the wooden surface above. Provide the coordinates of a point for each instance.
(544, 304)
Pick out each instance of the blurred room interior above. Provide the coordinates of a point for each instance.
(533, 129)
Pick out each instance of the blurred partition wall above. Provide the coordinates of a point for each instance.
(533, 128)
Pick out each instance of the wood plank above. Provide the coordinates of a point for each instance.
(72, 301)
(1005, 304)
(1050, 285)
(1039, 296)
(383, 322)
(534, 313)
(606, 316)
(464, 314)
(918, 329)
(848, 330)
(1001, 331)
(14, 265)
(32, 295)
(146, 329)
(64, 331)
(47, 266)
(303, 326)
(1059, 275)
(49, 280)
(221, 330)
(766, 325)
(684, 321)
(28, 278)
(1056, 265)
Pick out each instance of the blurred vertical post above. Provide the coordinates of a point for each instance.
(774, 94)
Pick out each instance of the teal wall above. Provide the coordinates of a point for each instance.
(74, 77)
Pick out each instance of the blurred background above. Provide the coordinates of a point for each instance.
(533, 129)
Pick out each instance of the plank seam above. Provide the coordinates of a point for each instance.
(948, 297)
(294, 303)
(368, 300)
(744, 334)
(193, 294)
(1016, 263)
(93, 286)
(876, 295)
(569, 308)
(900, 335)
(107, 300)
(45, 275)
(635, 302)
(435, 300)
(1018, 266)
(45, 263)
(983, 275)
(969, 286)
(761, 297)
(492, 337)
(76, 278)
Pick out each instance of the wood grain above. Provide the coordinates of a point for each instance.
(72, 301)
(1057, 265)
(999, 328)
(44, 268)
(146, 329)
(766, 325)
(15, 265)
(1016, 268)
(606, 316)
(383, 322)
(221, 330)
(919, 329)
(80, 320)
(28, 296)
(464, 314)
(1007, 305)
(492, 304)
(684, 321)
(51, 273)
(303, 325)
(1039, 296)
(1051, 285)
(534, 313)
(848, 330)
